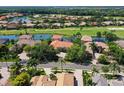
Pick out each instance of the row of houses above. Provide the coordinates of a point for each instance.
(63, 79)
(17, 25)
(88, 40)
(10, 15)
(56, 43)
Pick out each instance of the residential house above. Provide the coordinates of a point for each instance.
(42, 80)
(63, 79)
(61, 44)
(86, 39)
(28, 25)
(56, 37)
(120, 43)
(56, 25)
(82, 24)
(101, 44)
(107, 23)
(12, 26)
(69, 24)
(26, 40)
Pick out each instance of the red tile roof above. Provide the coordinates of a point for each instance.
(86, 38)
(65, 79)
(61, 44)
(56, 37)
(101, 44)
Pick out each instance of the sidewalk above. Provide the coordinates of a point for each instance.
(5, 75)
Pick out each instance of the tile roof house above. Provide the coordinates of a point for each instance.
(56, 37)
(61, 44)
(86, 39)
(101, 44)
(25, 37)
(26, 40)
(65, 79)
(34, 80)
(82, 24)
(12, 26)
(42, 80)
(120, 43)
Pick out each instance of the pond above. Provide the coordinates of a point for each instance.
(101, 39)
(10, 37)
(36, 37)
(42, 36)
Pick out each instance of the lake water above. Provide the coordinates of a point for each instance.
(42, 36)
(35, 37)
(10, 37)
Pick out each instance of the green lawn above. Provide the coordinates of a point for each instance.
(66, 31)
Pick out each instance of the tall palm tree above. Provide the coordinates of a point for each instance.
(62, 61)
(32, 62)
(15, 68)
(94, 48)
(114, 68)
(94, 70)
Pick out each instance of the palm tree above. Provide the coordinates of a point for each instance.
(114, 68)
(32, 62)
(94, 70)
(15, 68)
(62, 61)
(94, 48)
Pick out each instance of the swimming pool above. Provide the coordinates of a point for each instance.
(10, 37)
(42, 36)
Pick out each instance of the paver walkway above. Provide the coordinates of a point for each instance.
(5, 75)
(78, 76)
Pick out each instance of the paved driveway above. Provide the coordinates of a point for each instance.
(5, 75)
(78, 76)
(67, 65)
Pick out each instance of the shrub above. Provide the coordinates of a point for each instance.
(103, 59)
(105, 69)
(53, 77)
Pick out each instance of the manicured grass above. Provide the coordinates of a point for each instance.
(67, 31)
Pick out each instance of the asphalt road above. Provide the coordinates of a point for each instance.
(57, 64)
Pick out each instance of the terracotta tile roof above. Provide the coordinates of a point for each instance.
(41, 80)
(34, 80)
(86, 38)
(27, 42)
(61, 44)
(56, 37)
(65, 79)
(101, 44)
(25, 37)
(49, 83)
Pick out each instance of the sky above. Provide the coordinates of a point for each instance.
(62, 3)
